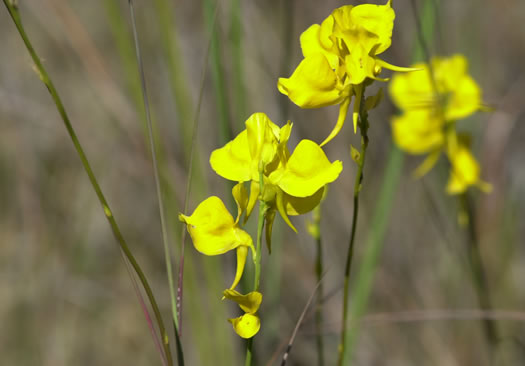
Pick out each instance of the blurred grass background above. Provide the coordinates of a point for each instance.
(65, 296)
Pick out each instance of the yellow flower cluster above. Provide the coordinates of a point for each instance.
(432, 100)
(292, 184)
(340, 59)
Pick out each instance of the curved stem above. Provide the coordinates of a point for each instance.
(13, 12)
(363, 126)
(479, 274)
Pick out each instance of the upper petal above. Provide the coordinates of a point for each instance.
(313, 84)
(413, 90)
(462, 92)
(316, 39)
(376, 19)
(307, 170)
(233, 161)
(262, 139)
(418, 131)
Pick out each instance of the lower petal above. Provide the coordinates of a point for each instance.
(343, 111)
(242, 253)
(246, 326)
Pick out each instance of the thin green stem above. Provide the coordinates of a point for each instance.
(363, 127)
(319, 307)
(180, 286)
(154, 154)
(479, 274)
(13, 12)
(160, 199)
(315, 230)
(217, 72)
(263, 207)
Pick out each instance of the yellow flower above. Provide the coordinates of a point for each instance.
(445, 88)
(213, 230)
(464, 171)
(247, 325)
(340, 55)
(432, 100)
(293, 183)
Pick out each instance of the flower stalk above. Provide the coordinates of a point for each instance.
(479, 274)
(263, 208)
(360, 161)
(319, 274)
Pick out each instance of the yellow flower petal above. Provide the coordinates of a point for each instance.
(343, 111)
(317, 40)
(307, 170)
(449, 89)
(246, 326)
(359, 64)
(301, 205)
(252, 200)
(279, 202)
(262, 140)
(213, 230)
(413, 90)
(268, 228)
(465, 170)
(233, 161)
(249, 303)
(376, 19)
(242, 254)
(357, 105)
(240, 194)
(313, 84)
(418, 132)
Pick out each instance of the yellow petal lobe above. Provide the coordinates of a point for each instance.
(313, 84)
(246, 326)
(307, 170)
(213, 230)
(249, 303)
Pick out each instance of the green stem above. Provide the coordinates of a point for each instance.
(263, 207)
(13, 12)
(319, 307)
(479, 276)
(316, 233)
(363, 126)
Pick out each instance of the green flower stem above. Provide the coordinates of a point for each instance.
(314, 229)
(263, 207)
(13, 12)
(479, 276)
(363, 127)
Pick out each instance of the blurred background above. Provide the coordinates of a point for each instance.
(65, 295)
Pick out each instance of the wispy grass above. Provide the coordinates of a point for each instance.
(217, 71)
(165, 239)
(12, 8)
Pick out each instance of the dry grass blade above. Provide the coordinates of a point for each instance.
(157, 182)
(12, 8)
(180, 287)
(299, 322)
